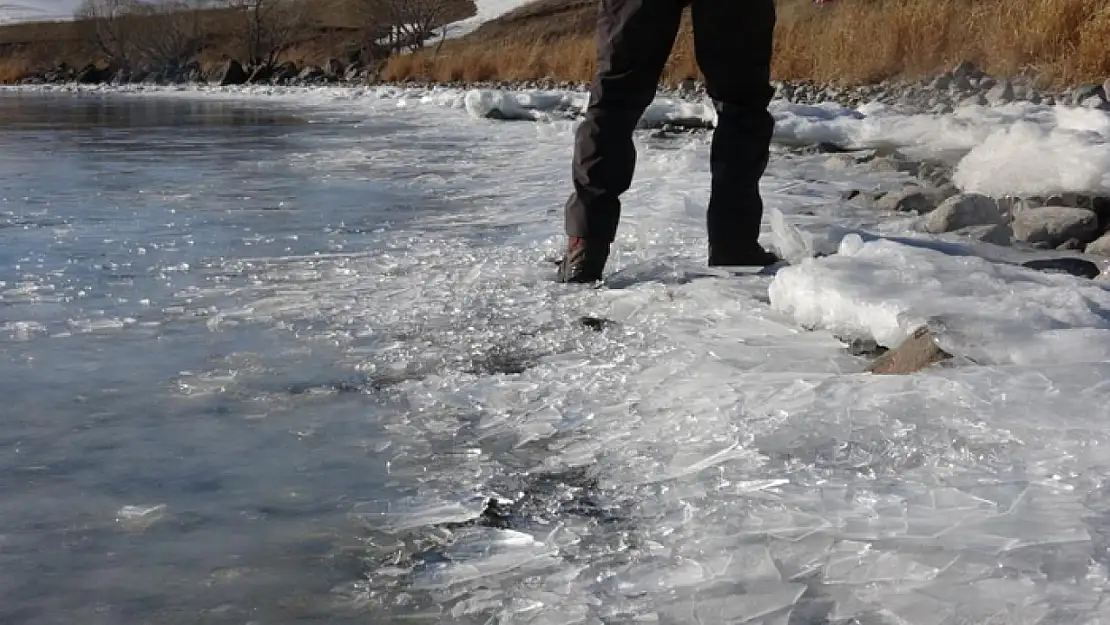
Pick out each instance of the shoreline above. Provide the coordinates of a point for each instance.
(942, 196)
(963, 85)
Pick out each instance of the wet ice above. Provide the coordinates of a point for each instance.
(714, 453)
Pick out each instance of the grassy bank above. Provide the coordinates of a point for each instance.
(849, 41)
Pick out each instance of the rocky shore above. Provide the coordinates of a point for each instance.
(963, 85)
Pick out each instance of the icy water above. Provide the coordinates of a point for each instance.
(155, 466)
(276, 356)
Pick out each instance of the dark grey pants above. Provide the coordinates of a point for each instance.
(732, 40)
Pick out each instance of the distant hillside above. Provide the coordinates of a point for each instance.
(14, 12)
(308, 32)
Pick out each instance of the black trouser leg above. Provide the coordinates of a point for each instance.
(733, 42)
(634, 39)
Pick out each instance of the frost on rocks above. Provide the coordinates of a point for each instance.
(1054, 225)
(997, 234)
(1002, 93)
(963, 210)
(1100, 246)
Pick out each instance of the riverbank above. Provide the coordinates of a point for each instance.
(1050, 43)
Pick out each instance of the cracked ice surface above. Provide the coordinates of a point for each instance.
(705, 458)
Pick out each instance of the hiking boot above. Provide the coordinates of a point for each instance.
(584, 261)
(753, 257)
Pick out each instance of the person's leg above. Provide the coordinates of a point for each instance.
(634, 39)
(733, 41)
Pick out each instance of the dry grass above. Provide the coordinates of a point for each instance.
(13, 69)
(849, 41)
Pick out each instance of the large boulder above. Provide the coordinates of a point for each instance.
(92, 75)
(963, 210)
(917, 352)
(285, 73)
(231, 73)
(1051, 226)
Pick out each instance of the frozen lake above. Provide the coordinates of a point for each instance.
(266, 356)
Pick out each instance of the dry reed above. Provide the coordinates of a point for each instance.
(848, 42)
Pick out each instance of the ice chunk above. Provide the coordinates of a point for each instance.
(1031, 159)
(140, 517)
(985, 311)
(405, 514)
(482, 552)
(484, 103)
(736, 608)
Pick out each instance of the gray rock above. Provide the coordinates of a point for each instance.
(910, 199)
(1024, 92)
(961, 84)
(1013, 205)
(261, 74)
(92, 75)
(1083, 93)
(1053, 225)
(334, 68)
(966, 69)
(963, 210)
(986, 83)
(935, 173)
(1071, 245)
(1002, 93)
(917, 352)
(997, 234)
(1071, 200)
(1100, 246)
(944, 191)
(976, 99)
(1101, 207)
(1069, 265)
(1095, 102)
(942, 82)
(285, 72)
(231, 73)
(311, 74)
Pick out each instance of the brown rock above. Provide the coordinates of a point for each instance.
(917, 352)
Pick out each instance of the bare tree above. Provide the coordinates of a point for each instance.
(167, 33)
(104, 23)
(405, 24)
(269, 26)
(417, 20)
